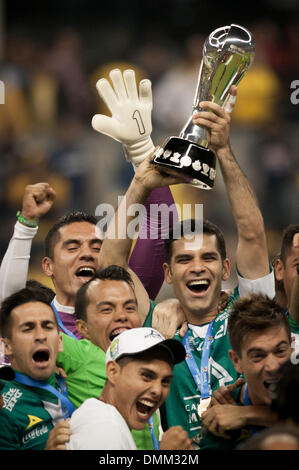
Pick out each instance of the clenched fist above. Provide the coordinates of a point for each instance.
(175, 438)
(37, 200)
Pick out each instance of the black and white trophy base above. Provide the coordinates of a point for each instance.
(188, 158)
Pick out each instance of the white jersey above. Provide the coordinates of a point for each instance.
(98, 426)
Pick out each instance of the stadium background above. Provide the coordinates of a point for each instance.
(53, 52)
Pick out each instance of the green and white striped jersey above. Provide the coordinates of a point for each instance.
(27, 417)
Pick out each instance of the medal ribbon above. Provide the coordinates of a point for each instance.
(247, 402)
(61, 325)
(151, 426)
(201, 377)
(67, 406)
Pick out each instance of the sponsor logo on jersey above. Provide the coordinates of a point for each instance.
(35, 433)
(32, 421)
(11, 397)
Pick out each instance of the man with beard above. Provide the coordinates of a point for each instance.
(196, 264)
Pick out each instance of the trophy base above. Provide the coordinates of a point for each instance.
(190, 159)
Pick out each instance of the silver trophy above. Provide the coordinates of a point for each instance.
(228, 53)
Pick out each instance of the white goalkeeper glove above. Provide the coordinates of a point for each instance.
(131, 122)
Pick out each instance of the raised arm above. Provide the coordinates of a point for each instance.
(37, 201)
(130, 123)
(118, 240)
(147, 257)
(252, 253)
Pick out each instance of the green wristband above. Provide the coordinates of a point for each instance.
(27, 222)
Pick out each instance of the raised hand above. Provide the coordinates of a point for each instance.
(216, 120)
(151, 176)
(175, 438)
(130, 122)
(223, 396)
(37, 200)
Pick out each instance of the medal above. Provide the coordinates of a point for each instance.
(203, 405)
(201, 377)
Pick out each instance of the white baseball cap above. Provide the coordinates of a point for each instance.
(137, 340)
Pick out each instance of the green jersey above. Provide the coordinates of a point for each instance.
(85, 367)
(181, 406)
(183, 399)
(27, 417)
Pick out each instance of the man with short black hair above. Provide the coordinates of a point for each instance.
(106, 306)
(74, 242)
(36, 399)
(197, 265)
(139, 364)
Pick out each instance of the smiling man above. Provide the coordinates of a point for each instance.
(72, 245)
(260, 336)
(72, 248)
(105, 306)
(139, 364)
(196, 265)
(36, 399)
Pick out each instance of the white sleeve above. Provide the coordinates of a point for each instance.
(100, 436)
(15, 263)
(97, 426)
(264, 285)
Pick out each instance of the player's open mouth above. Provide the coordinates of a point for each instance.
(145, 407)
(198, 286)
(117, 332)
(85, 273)
(271, 385)
(41, 357)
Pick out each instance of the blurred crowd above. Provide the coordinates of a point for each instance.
(50, 98)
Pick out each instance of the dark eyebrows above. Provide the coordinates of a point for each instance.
(101, 304)
(131, 301)
(182, 256)
(211, 253)
(146, 370)
(260, 350)
(31, 324)
(112, 304)
(70, 241)
(255, 350)
(189, 254)
(75, 241)
(95, 240)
